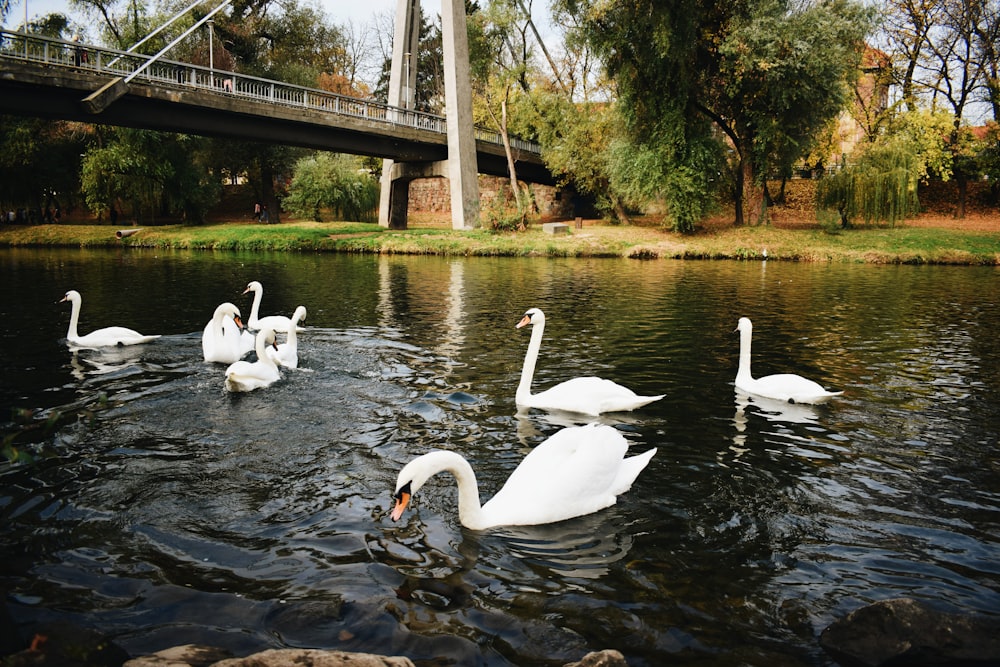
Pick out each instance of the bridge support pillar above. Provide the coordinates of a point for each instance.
(461, 169)
(398, 203)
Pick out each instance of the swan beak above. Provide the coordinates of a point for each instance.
(239, 322)
(525, 321)
(402, 500)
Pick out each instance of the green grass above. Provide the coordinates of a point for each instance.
(900, 244)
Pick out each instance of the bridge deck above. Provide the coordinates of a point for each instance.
(43, 78)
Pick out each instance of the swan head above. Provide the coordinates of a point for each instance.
(269, 337)
(414, 475)
(744, 325)
(299, 314)
(253, 286)
(228, 309)
(402, 497)
(531, 316)
(72, 296)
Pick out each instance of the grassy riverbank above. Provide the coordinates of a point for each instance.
(932, 242)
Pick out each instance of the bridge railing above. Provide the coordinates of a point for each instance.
(53, 51)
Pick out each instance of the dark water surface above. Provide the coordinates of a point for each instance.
(162, 510)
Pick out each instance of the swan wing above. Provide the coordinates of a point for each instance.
(112, 336)
(247, 342)
(286, 355)
(577, 471)
(222, 346)
(247, 376)
(590, 396)
(788, 387)
(278, 323)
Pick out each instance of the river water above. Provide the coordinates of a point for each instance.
(158, 508)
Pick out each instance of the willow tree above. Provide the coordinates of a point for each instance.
(763, 74)
(880, 184)
(333, 182)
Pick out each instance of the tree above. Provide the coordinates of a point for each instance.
(333, 182)
(881, 183)
(500, 57)
(154, 173)
(987, 41)
(40, 161)
(907, 27)
(122, 22)
(880, 186)
(765, 74)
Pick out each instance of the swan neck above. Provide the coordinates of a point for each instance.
(74, 319)
(743, 372)
(260, 347)
(530, 359)
(218, 323)
(255, 308)
(470, 510)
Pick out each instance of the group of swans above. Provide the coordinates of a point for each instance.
(577, 471)
(227, 340)
(224, 340)
(580, 469)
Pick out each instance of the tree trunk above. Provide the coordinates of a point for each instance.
(780, 198)
(511, 167)
(963, 193)
(738, 195)
(754, 211)
(619, 210)
(267, 192)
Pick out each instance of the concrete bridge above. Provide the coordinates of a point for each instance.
(52, 78)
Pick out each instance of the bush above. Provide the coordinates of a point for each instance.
(335, 183)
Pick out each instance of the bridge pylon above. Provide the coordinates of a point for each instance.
(461, 166)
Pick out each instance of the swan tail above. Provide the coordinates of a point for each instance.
(629, 471)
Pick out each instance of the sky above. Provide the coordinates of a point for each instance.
(358, 12)
(339, 10)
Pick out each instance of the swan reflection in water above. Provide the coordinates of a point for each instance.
(771, 409)
(86, 362)
(441, 568)
(530, 425)
(577, 549)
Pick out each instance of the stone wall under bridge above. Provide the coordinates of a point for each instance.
(431, 197)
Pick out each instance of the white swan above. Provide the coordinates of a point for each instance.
(287, 353)
(783, 386)
(107, 337)
(278, 323)
(220, 341)
(577, 471)
(247, 376)
(585, 395)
